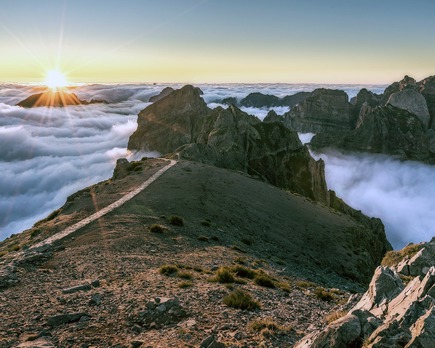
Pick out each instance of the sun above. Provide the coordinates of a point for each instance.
(55, 80)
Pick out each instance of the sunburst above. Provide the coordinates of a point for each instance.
(55, 80)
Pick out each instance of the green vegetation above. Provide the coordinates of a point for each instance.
(224, 275)
(203, 238)
(35, 232)
(392, 258)
(246, 241)
(263, 279)
(267, 327)
(305, 284)
(184, 275)
(284, 286)
(324, 295)
(185, 284)
(241, 299)
(156, 228)
(176, 221)
(206, 223)
(168, 270)
(244, 272)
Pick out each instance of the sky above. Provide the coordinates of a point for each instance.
(216, 41)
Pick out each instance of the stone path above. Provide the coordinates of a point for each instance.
(104, 211)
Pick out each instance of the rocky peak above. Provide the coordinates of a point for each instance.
(323, 110)
(165, 92)
(414, 102)
(51, 99)
(180, 115)
(272, 116)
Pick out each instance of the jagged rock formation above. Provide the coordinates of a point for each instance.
(260, 100)
(323, 110)
(182, 123)
(398, 122)
(54, 99)
(391, 313)
(165, 92)
(272, 116)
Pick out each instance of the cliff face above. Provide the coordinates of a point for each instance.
(323, 110)
(182, 124)
(399, 122)
(170, 122)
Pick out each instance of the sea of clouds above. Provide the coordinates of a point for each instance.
(47, 154)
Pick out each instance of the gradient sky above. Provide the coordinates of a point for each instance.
(317, 41)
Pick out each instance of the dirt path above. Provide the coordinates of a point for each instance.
(104, 211)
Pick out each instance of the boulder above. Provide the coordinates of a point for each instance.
(412, 101)
(344, 332)
(427, 89)
(62, 319)
(165, 92)
(324, 110)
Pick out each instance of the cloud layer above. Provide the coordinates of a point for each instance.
(400, 193)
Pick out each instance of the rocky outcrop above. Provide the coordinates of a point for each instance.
(260, 100)
(229, 138)
(165, 92)
(413, 102)
(171, 122)
(389, 314)
(387, 130)
(272, 116)
(427, 89)
(324, 110)
(54, 99)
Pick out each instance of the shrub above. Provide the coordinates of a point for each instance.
(241, 299)
(224, 275)
(35, 232)
(168, 270)
(206, 223)
(246, 241)
(265, 280)
(334, 316)
(156, 228)
(305, 284)
(176, 221)
(14, 247)
(244, 272)
(3, 253)
(184, 275)
(392, 258)
(284, 286)
(241, 260)
(323, 294)
(185, 284)
(215, 238)
(202, 238)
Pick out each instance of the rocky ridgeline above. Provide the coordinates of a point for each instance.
(399, 122)
(54, 99)
(260, 100)
(398, 309)
(181, 123)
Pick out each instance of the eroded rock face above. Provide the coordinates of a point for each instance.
(171, 122)
(389, 314)
(412, 101)
(323, 110)
(260, 100)
(164, 93)
(181, 123)
(387, 130)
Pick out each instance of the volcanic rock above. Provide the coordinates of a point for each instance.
(259, 100)
(165, 92)
(183, 124)
(398, 315)
(323, 110)
(412, 101)
(171, 122)
(273, 117)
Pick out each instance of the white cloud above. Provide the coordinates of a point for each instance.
(400, 193)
